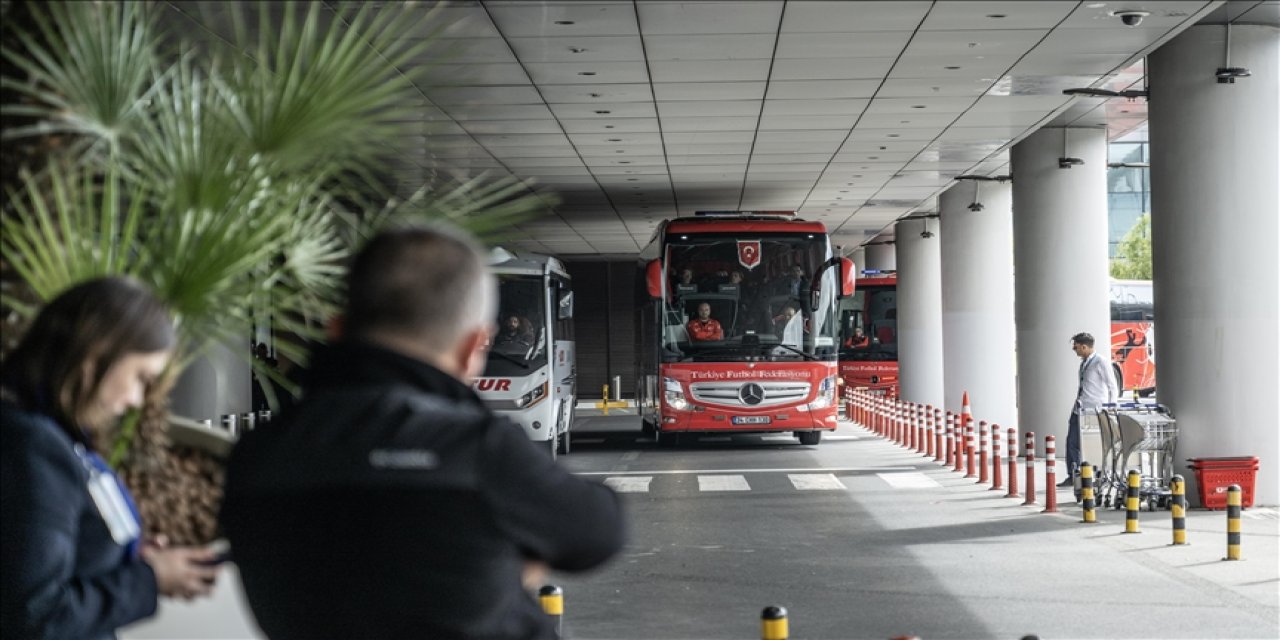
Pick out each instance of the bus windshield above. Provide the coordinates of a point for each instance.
(870, 322)
(780, 308)
(520, 344)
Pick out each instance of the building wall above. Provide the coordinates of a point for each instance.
(604, 324)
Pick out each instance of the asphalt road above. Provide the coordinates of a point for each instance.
(859, 538)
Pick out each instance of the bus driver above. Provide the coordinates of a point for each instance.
(703, 326)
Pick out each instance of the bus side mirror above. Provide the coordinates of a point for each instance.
(654, 278)
(564, 309)
(848, 273)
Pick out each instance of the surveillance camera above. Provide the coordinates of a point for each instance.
(1131, 18)
(926, 234)
(977, 206)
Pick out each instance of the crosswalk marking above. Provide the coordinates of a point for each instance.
(723, 483)
(632, 484)
(909, 480)
(815, 481)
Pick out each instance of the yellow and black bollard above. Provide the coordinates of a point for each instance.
(1178, 507)
(773, 624)
(1086, 493)
(1131, 503)
(1233, 522)
(551, 598)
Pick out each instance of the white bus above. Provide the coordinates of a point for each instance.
(531, 376)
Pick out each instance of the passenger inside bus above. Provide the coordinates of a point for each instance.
(703, 327)
(858, 340)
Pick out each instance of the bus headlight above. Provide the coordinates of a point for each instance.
(826, 394)
(533, 397)
(673, 393)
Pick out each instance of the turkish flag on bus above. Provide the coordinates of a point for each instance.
(749, 253)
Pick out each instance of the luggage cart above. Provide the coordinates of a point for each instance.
(1140, 436)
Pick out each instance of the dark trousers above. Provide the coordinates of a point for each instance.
(1074, 453)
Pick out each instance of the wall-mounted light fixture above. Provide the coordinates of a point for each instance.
(1227, 74)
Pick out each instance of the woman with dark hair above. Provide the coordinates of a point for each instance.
(74, 564)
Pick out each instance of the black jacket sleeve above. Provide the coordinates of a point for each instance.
(570, 523)
(61, 579)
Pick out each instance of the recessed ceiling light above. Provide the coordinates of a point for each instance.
(633, 180)
(873, 158)
(615, 139)
(566, 22)
(595, 95)
(608, 126)
(586, 73)
(997, 15)
(953, 68)
(603, 111)
(917, 106)
(893, 135)
(620, 151)
(624, 162)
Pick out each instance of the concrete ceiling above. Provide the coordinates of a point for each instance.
(852, 113)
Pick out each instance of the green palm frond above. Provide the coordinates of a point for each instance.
(92, 74)
(488, 208)
(76, 232)
(232, 183)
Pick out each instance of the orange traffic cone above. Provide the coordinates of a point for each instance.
(966, 415)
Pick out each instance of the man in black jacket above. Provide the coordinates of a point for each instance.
(389, 502)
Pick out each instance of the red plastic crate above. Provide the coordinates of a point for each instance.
(1215, 475)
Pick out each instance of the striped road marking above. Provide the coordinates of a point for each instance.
(632, 484)
(815, 481)
(723, 483)
(909, 480)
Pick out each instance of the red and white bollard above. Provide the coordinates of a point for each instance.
(968, 447)
(1050, 477)
(928, 431)
(997, 481)
(1013, 463)
(939, 435)
(953, 442)
(920, 432)
(983, 478)
(1031, 468)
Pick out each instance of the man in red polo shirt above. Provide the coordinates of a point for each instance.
(703, 327)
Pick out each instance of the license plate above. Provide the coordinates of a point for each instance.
(752, 419)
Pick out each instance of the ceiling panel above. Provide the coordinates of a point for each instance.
(698, 18)
(819, 16)
(856, 113)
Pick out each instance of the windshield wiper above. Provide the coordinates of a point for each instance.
(510, 359)
(788, 347)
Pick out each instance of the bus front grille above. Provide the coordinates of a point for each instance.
(749, 393)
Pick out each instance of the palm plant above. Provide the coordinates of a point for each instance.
(225, 178)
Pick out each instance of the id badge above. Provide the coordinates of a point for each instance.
(111, 506)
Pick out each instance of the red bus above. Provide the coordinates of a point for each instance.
(736, 326)
(869, 330)
(1133, 348)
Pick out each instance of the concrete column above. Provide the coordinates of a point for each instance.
(218, 383)
(919, 313)
(977, 300)
(1215, 158)
(881, 257)
(1060, 267)
(859, 257)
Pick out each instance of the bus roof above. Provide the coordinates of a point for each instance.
(742, 225)
(505, 261)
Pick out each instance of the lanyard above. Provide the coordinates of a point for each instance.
(112, 501)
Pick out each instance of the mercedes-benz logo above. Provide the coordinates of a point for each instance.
(751, 394)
